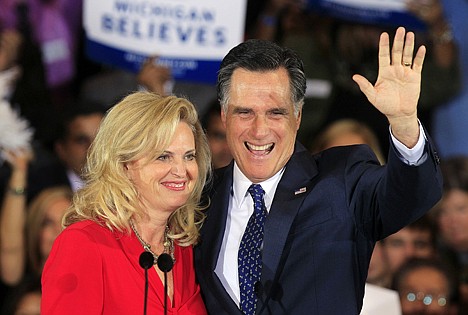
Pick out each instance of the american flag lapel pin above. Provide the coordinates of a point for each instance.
(300, 191)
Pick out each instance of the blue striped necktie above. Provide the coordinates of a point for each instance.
(249, 256)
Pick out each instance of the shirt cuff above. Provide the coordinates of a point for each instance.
(414, 156)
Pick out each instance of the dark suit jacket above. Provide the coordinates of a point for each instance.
(318, 243)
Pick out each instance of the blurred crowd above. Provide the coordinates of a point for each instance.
(52, 99)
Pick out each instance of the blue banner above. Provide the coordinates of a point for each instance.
(374, 12)
(203, 71)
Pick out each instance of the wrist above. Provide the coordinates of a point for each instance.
(405, 130)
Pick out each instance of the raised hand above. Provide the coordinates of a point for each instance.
(396, 91)
(10, 42)
(153, 76)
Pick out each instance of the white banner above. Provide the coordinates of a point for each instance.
(188, 30)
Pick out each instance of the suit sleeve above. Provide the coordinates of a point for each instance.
(391, 197)
(72, 280)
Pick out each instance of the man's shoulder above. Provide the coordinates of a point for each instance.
(343, 153)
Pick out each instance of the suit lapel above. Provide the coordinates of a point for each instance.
(213, 233)
(217, 217)
(294, 186)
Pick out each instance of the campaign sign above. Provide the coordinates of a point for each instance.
(375, 12)
(189, 36)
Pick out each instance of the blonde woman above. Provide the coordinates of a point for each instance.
(43, 224)
(347, 131)
(144, 176)
(40, 225)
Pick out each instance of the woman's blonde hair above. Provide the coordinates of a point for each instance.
(344, 127)
(35, 221)
(140, 125)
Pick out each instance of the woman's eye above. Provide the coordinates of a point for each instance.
(163, 157)
(190, 157)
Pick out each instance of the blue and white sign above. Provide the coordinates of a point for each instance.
(189, 36)
(376, 12)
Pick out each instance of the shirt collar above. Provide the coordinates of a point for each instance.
(241, 184)
(75, 181)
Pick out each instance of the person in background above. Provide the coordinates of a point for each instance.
(28, 233)
(216, 134)
(426, 286)
(44, 224)
(21, 65)
(24, 299)
(288, 232)
(13, 216)
(379, 273)
(145, 174)
(108, 85)
(347, 132)
(449, 119)
(154, 77)
(417, 239)
(54, 27)
(75, 132)
(451, 215)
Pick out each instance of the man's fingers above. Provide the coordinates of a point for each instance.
(365, 86)
(384, 50)
(408, 50)
(398, 43)
(419, 59)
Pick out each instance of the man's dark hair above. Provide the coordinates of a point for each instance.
(436, 264)
(73, 110)
(455, 173)
(262, 56)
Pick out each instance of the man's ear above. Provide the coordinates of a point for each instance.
(298, 119)
(223, 118)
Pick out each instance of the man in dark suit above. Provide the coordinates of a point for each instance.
(324, 212)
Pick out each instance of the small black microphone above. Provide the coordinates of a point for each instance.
(146, 261)
(165, 264)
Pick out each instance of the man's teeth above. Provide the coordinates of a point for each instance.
(259, 147)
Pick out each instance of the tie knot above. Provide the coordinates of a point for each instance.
(256, 191)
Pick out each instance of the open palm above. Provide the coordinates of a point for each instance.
(396, 91)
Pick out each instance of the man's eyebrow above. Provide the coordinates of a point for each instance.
(237, 109)
(280, 110)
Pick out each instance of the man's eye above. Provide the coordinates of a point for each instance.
(278, 113)
(395, 243)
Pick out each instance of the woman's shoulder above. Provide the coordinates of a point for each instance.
(85, 225)
(90, 228)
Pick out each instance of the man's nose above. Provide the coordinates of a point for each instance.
(260, 126)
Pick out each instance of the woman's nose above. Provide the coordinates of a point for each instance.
(178, 168)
